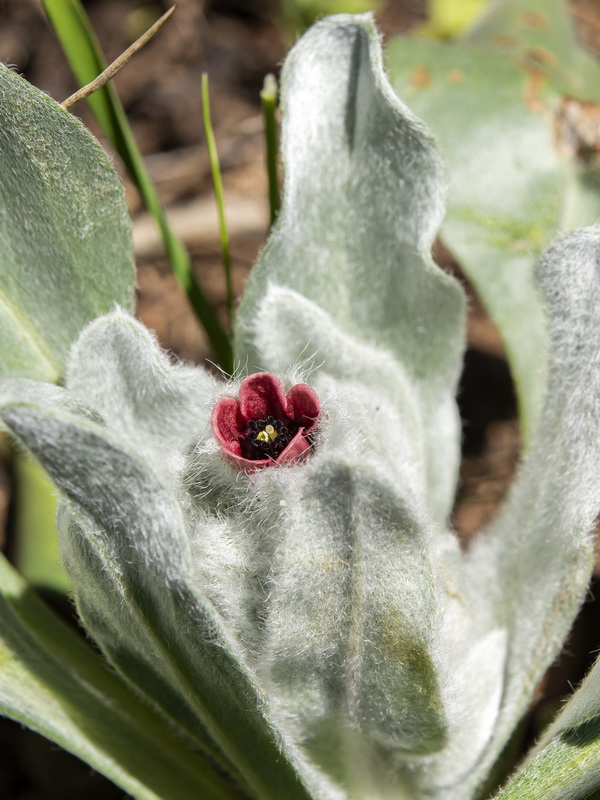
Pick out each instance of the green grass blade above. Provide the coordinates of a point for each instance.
(268, 97)
(82, 50)
(218, 187)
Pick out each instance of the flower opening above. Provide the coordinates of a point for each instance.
(265, 426)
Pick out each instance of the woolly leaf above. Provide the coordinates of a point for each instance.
(157, 407)
(52, 682)
(64, 232)
(126, 548)
(394, 423)
(363, 198)
(351, 617)
(529, 570)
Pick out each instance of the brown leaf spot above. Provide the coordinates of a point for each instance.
(421, 78)
(533, 100)
(533, 19)
(542, 57)
(456, 76)
(504, 40)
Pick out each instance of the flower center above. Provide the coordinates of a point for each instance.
(267, 437)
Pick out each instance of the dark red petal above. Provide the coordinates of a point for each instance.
(303, 406)
(227, 421)
(233, 450)
(296, 450)
(262, 396)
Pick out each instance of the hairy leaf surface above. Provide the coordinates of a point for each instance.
(64, 232)
(363, 198)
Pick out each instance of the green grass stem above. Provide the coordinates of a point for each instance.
(83, 53)
(218, 187)
(268, 97)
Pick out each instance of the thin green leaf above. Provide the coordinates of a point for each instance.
(268, 98)
(52, 682)
(213, 157)
(81, 48)
(64, 232)
(568, 768)
(566, 761)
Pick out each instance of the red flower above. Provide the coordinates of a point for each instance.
(266, 427)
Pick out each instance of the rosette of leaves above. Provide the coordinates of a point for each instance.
(313, 629)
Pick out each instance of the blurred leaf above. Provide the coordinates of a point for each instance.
(509, 190)
(67, 255)
(301, 14)
(448, 18)
(36, 548)
(52, 682)
(539, 36)
(492, 100)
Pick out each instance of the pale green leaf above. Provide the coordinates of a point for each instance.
(529, 571)
(506, 185)
(352, 620)
(64, 232)
(363, 198)
(36, 553)
(491, 101)
(52, 682)
(540, 36)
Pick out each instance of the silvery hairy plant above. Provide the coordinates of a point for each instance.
(267, 561)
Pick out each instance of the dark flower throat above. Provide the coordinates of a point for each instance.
(267, 438)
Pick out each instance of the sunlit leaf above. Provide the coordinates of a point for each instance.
(64, 232)
(363, 198)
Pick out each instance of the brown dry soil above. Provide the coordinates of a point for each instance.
(238, 43)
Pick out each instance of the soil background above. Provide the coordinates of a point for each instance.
(237, 43)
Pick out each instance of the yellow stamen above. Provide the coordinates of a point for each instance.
(268, 434)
